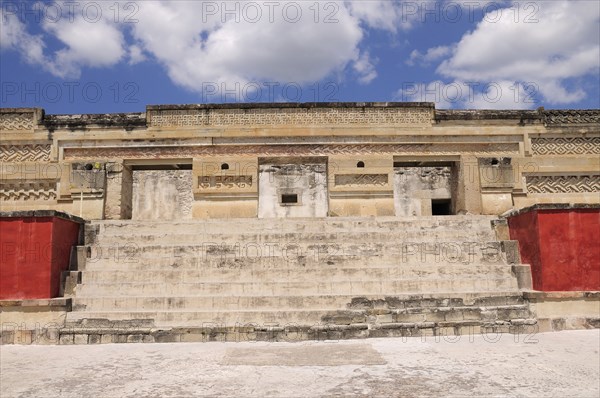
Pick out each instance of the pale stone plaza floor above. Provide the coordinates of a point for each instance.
(560, 364)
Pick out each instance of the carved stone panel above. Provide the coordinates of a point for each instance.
(224, 182)
(563, 184)
(28, 191)
(16, 121)
(292, 117)
(354, 180)
(25, 153)
(286, 150)
(566, 146)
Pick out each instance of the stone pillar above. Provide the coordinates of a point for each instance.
(497, 178)
(467, 187)
(119, 190)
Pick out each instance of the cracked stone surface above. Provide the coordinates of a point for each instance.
(556, 364)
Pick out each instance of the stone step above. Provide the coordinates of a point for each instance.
(205, 318)
(425, 235)
(334, 222)
(289, 263)
(350, 272)
(294, 274)
(452, 251)
(364, 287)
(312, 317)
(294, 224)
(271, 303)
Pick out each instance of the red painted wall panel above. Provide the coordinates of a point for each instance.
(65, 235)
(33, 253)
(524, 228)
(562, 246)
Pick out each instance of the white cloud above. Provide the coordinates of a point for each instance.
(199, 42)
(135, 55)
(365, 68)
(229, 51)
(99, 44)
(388, 15)
(14, 36)
(87, 41)
(431, 55)
(562, 44)
(203, 42)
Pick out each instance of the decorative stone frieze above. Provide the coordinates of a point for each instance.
(355, 116)
(563, 184)
(218, 182)
(361, 179)
(25, 153)
(571, 116)
(566, 146)
(28, 191)
(16, 121)
(285, 150)
(178, 118)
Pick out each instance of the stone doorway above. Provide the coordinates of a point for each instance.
(424, 188)
(292, 187)
(162, 192)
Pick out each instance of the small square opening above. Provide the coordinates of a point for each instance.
(441, 207)
(289, 198)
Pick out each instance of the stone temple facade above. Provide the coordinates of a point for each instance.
(297, 160)
(297, 221)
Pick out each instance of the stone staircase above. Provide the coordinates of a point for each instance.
(306, 278)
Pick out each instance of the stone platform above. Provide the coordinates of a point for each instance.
(293, 279)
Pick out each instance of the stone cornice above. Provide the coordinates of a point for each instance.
(268, 115)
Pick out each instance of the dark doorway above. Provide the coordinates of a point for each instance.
(441, 207)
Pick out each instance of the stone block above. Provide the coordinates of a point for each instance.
(445, 331)
(512, 313)
(148, 339)
(169, 337)
(94, 339)
(471, 314)
(408, 318)
(388, 318)
(66, 339)
(80, 338)
(48, 336)
(135, 338)
(455, 315)
(120, 338)
(435, 315)
(197, 337)
(106, 338)
(8, 337)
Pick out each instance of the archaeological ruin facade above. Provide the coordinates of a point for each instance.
(287, 222)
(297, 160)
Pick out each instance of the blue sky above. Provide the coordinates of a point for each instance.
(119, 56)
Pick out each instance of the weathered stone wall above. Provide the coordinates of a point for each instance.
(292, 190)
(503, 159)
(416, 187)
(162, 195)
